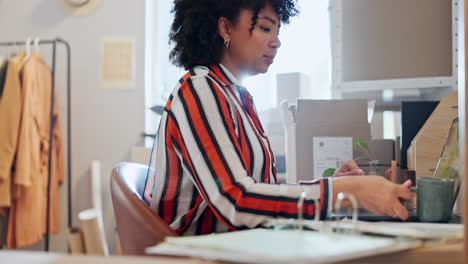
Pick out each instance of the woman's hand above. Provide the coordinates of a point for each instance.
(349, 168)
(375, 194)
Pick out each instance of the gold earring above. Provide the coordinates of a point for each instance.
(226, 43)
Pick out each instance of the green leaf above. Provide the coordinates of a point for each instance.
(328, 172)
(362, 158)
(362, 143)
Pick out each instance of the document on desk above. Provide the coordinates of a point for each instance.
(280, 246)
(331, 152)
(425, 231)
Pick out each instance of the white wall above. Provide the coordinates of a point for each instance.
(105, 123)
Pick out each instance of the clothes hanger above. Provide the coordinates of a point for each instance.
(28, 48)
(36, 44)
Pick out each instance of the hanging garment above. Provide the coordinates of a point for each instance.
(10, 114)
(31, 165)
(3, 70)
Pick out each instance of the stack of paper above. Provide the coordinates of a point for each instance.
(410, 230)
(280, 246)
(414, 230)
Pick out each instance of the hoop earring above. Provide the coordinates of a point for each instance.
(226, 43)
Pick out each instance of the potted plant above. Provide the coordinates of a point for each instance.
(364, 149)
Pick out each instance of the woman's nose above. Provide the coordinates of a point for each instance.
(276, 43)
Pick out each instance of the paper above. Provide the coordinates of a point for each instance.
(411, 230)
(414, 230)
(331, 152)
(395, 229)
(279, 246)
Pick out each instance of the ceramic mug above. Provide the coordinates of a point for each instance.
(434, 200)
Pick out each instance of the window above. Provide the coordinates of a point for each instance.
(160, 76)
(305, 48)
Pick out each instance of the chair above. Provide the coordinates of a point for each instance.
(138, 226)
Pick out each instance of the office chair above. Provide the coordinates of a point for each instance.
(138, 226)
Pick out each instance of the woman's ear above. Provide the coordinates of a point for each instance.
(224, 28)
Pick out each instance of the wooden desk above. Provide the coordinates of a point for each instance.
(27, 257)
(452, 253)
(436, 253)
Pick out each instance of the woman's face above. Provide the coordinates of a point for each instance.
(253, 53)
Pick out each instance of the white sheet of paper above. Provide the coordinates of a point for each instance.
(331, 152)
(413, 230)
(280, 246)
(410, 230)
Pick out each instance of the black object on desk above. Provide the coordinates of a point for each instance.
(364, 215)
(413, 117)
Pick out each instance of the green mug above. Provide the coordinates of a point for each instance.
(435, 197)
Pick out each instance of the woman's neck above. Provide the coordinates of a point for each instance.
(229, 64)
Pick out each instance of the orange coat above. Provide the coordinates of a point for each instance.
(10, 114)
(27, 222)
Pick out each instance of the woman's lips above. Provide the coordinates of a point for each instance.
(269, 59)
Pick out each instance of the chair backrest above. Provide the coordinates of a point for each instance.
(137, 225)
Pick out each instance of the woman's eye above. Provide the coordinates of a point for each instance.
(266, 29)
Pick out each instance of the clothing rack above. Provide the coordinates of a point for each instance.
(54, 43)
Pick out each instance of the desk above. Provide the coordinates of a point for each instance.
(436, 253)
(36, 257)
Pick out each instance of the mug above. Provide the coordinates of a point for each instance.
(435, 197)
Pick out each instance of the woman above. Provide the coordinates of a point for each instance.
(212, 168)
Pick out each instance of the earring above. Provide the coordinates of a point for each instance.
(226, 43)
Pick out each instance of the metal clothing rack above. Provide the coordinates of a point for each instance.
(54, 43)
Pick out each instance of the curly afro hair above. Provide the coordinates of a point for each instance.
(194, 30)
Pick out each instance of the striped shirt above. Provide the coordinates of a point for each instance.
(212, 167)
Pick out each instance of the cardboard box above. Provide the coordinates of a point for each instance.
(327, 118)
(383, 150)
